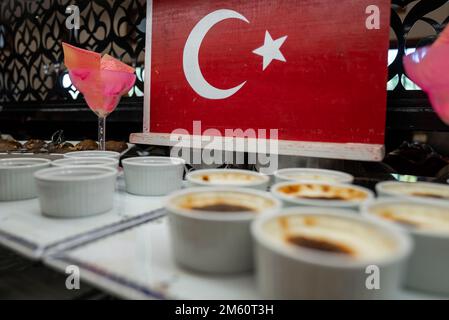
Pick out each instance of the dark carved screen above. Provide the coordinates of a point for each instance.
(30, 43)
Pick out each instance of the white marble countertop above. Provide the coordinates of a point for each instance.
(137, 264)
(24, 229)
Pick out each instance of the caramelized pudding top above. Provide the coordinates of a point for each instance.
(331, 235)
(223, 202)
(319, 244)
(415, 216)
(312, 177)
(421, 190)
(223, 207)
(323, 192)
(227, 178)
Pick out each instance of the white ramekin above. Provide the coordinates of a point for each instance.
(287, 272)
(429, 263)
(260, 184)
(16, 177)
(332, 176)
(383, 189)
(102, 162)
(153, 176)
(93, 154)
(72, 192)
(215, 242)
(290, 201)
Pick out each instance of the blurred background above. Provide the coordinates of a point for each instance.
(37, 97)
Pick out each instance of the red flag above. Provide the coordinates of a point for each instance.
(310, 68)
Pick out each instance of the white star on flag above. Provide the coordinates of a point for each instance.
(271, 50)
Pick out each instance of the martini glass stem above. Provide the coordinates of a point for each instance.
(102, 133)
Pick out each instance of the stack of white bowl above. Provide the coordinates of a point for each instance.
(16, 178)
(83, 183)
(227, 222)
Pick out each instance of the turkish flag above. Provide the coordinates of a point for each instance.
(309, 68)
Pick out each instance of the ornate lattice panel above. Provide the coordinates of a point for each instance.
(31, 32)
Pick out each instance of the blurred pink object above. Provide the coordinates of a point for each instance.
(102, 81)
(428, 67)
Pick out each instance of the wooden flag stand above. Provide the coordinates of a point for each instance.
(324, 90)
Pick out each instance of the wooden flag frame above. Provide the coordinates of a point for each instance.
(350, 151)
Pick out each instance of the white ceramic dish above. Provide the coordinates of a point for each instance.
(92, 154)
(16, 177)
(70, 162)
(310, 174)
(72, 192)
(153, 176)
(302, 271)
(428, 224)
(211, 240)
(416, 190)
(315, 194)
(228, 178)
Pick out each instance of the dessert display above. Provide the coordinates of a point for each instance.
(228, 177)
(210, 227)
(428, 224)
(322, 253)
(224, 226)
(321, 194)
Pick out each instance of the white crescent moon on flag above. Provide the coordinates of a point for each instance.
(191, 65)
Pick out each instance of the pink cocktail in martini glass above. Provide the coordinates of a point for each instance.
(102, 81)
